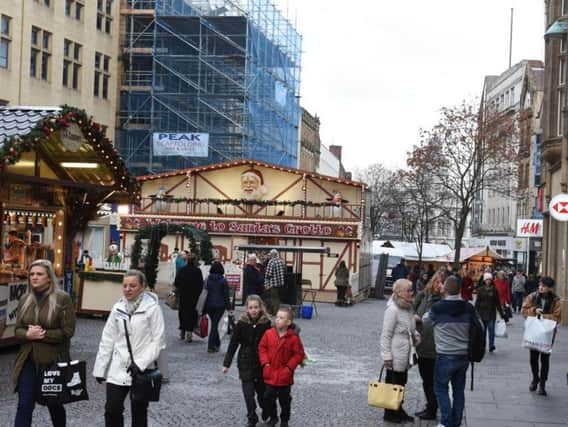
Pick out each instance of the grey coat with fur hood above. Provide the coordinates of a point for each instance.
(395, 338)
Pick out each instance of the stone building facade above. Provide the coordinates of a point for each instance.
(310, 142)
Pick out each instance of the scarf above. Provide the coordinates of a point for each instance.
(131, 307)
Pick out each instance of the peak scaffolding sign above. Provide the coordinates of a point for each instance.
(180, 144)
(529, 228)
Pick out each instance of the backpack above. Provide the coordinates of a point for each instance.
(476, 344)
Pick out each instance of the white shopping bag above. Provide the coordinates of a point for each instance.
(539, 334)
(501, 329)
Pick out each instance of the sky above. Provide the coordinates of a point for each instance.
(376, 71)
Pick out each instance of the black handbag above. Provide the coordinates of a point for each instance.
(145, 385)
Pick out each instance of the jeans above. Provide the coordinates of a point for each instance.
(400, 378)
(490, 329)
(27, 397)
(215, 314)
(518, 300)
(282, 393)
(114, 407)
(426, 368)
(450, 369)
(249, 390)
(541, 376)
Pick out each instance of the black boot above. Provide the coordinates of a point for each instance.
(533, 385)
(541, 391)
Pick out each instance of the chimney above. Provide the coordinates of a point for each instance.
(336, 151)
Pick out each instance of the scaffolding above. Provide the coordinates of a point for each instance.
(230, 69)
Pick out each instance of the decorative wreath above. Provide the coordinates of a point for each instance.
(200, 245)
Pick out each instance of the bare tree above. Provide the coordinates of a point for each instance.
(468, 150)
(379, 180)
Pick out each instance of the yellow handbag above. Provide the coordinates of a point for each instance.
(383, 395)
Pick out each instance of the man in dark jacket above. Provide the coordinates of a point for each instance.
(253, 279)
(188, 284)
(400, 271)
(451, 319)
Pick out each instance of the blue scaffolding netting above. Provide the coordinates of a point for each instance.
(230, 69)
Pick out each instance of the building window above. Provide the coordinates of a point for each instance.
(44, 2)
(40, 54)
(564, 10)
(71, 64)
(74, 9)
(5, 39)
(104, 15)
(102, 75)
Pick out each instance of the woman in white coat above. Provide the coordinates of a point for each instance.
(398, 338)
(140, 312)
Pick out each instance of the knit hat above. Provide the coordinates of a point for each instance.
(487, 276)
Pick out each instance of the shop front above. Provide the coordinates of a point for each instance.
(56, 168)
(250, 202)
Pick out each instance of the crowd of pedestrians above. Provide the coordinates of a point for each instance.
(449, 320)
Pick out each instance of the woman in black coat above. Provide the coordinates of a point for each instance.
(250, 328)
(487, 305)
(188, 284)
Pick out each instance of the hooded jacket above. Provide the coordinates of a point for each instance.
(280, 356)
(488, 303)
(217, 292)
(147, 338)
(246, 337)
(398, 327)
(451, 318)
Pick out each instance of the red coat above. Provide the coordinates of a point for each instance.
(282, 355)
(467, 288)
(502, 286)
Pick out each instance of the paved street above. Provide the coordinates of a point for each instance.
(330, 392)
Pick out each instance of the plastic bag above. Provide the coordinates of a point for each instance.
(501, 329)
(539, 334)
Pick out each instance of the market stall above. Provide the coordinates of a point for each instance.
(56, 169)
(476, 259)
(251, 202)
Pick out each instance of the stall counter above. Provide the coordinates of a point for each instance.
(98, 291)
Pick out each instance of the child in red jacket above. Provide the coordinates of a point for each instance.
(280, 352)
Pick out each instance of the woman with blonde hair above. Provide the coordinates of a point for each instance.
(250, 328)
(138, 313)
(398, 337)
(45, 324)
(426, 350)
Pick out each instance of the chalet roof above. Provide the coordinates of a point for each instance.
(19, 121)
(248, 162)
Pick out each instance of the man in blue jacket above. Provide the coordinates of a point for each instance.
(451, 318)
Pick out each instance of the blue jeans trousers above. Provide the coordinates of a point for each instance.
(490, 329)
(450, 369)
(215, 314)
(27, 396)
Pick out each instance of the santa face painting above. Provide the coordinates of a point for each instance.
(252, 186)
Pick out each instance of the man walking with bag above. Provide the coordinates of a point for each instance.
(451, 318)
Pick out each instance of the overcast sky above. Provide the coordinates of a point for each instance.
(376, 71)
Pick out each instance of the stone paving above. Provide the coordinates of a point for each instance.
(330, 392)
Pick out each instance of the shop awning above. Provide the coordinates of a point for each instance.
(267, 248)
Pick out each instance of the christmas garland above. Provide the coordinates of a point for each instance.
(12, 148)
(236, 202)
(200, 245)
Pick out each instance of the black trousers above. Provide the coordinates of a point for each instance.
(114, 407)
(341, 293)
(282, 393)
(426, 368)
(249, 390)
(541, 376)
(400, 378)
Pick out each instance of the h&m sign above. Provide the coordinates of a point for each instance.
(529, 227)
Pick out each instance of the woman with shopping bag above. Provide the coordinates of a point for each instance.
(398, 339)
(45, 324)
(543, 303)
